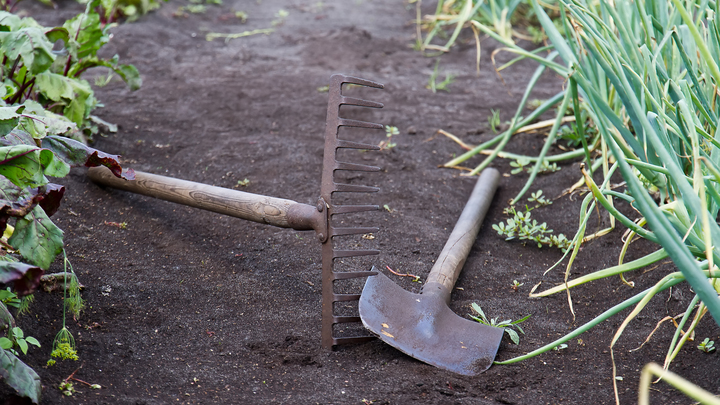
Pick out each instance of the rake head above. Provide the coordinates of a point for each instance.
(328, 187)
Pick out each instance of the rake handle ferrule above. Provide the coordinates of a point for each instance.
(252, 207)
(449, 264)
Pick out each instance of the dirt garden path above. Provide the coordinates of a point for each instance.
(191, 307)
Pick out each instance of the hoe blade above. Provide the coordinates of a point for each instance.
(424, 327)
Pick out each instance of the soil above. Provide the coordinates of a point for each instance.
(187, 306)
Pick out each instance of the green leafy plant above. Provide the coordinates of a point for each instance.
(47, 81)
(16, 338)
(67, 388)
(9, 298)
(114, 10)
(508, 326)
(707, 346)
(44, 105)
(524, 228)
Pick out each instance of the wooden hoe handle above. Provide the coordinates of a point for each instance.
(448, 266)
(253, 207)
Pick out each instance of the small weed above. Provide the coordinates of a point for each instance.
(494, 121)
(242, 16)
(387, 208)
(707, 346)
(432, 82)
(389, 133)
(516, 285)
(537, 35)
(280, 17)
(67, 388)
(243, 183)
(509, 325)
(535, 103)
(119, 225)
(521, 226)
(538, 198)
(561, 346)
(523, 164)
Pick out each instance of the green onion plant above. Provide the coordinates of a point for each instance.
(641, 79)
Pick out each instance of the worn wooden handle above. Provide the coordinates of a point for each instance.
(448, 266)
(258, 208)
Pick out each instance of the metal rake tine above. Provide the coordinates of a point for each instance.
(355, 274)
(359, 81)
(343, 144)
(345, 122)
(353, 231)
(346, 209)
(352, 188)
(353, 253)
(360, 102)
(356, 167)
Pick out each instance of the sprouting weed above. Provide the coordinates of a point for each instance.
(242, 16)
(67, 388)
(51, 362)
(433, 85)
(535, 103)
(519, 164)
(516, 285)
(494, 121)
(524, 228)
(538, 198)
(243, 183)
(561, 346)
(280, 17)
(537, 35)
(523, 164)
(707, 346)
(509, 325)
(389, 133)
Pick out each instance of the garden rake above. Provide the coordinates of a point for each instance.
(287, 213)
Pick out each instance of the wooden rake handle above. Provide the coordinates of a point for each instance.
(252, 207)
(448, 266)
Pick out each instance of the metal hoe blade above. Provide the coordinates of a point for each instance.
(422, 325)
(426, 328)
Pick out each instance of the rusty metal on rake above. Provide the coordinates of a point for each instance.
(287, 213)
(327, 189)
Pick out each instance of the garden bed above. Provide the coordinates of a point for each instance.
(186, 306)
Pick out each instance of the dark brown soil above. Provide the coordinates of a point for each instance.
(186, 306)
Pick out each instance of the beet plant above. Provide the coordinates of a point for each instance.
(44, 107)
